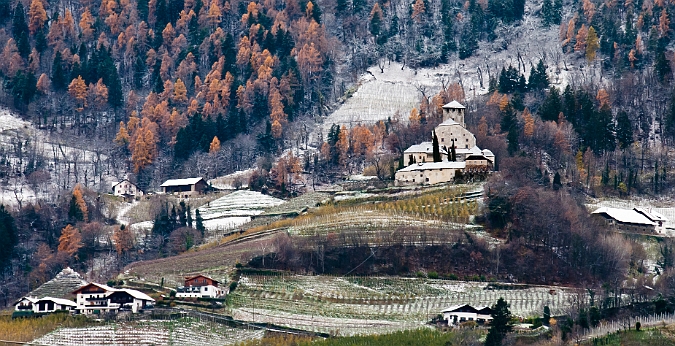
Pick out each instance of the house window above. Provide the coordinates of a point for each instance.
(427, 179)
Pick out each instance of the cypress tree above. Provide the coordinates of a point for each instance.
(8, 237)
(500, 325)
(436, 149)
(199, 222)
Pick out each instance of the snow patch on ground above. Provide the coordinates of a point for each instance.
(238, 203)
(229, 182)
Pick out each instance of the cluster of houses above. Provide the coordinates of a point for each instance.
(183, 188)
(92, 298)
(457, 146)
(636, 220)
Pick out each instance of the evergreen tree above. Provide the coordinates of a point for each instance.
(161, 15)
(670, 120)
(557, 11)
(467, 44)
(189, 217)
(624, 130)
(23, 87)
(19, 24)
(500, 324)
(341, 7)
(199, 222)
(5, 10)
(453, 152)
(142, 8)
(557, 184)
(600, 131)
(182, 214)
(436, 149)
(547, 12)
(662, 65)
(358, 6)
(552, 106)
(538, 77)
(8, 237)
(547, 310)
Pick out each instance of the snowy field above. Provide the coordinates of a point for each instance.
(373, 305)
(229, 182)
(181, 332)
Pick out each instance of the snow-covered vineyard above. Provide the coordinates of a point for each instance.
(356, 305)
(180, 332)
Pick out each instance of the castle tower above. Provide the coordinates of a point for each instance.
(455, 111)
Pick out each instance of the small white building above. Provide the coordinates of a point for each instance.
(429, 173)
(457, 314)
(420, 153)
(25, 304)
(127, 189)
(44, 305)
(200, 286)
(49, 304)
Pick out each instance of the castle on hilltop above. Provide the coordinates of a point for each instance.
(457, 146)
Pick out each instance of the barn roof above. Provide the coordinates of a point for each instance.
(624, 216)
(651, 215)
(181, 182)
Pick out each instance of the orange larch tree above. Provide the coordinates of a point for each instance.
(70, 241)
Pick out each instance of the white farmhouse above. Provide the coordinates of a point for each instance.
(457, 314)
(126, 189)
(200, 286)
(94, 298)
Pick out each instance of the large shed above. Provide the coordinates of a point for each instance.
(185, 187)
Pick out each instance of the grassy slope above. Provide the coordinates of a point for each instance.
(27, 329)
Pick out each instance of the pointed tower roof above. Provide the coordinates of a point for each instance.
(454, 105)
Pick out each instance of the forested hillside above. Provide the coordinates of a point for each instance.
(176, 88)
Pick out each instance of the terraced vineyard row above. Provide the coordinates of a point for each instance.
(401, 301)
(186, 331)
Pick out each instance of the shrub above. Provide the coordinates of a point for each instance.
(453, 277)
(172, 294)
(420, 274)
(432, 275)
(638, 325)
(233, 286)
